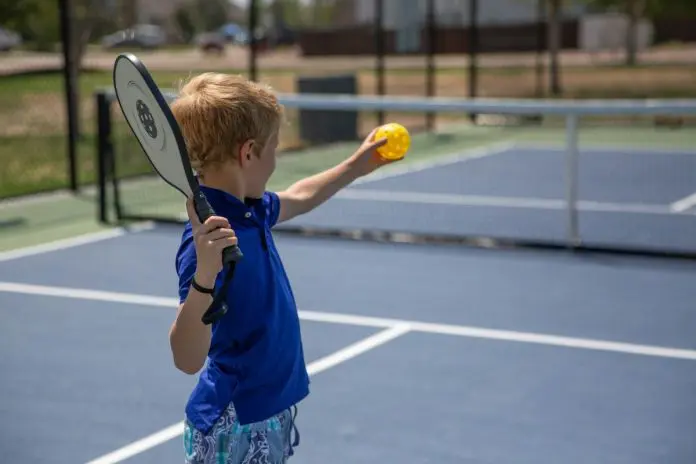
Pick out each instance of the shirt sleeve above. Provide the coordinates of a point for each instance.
(272, 202)
(185, 263)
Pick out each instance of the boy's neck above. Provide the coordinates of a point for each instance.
(224, 181)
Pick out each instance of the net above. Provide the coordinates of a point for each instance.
(610, 175)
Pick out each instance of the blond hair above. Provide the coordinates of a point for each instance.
(218, 113)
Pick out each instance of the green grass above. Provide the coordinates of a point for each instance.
(89, 82)
(38, 163)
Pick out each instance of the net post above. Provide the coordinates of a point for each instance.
(572, 178)
(103, 151)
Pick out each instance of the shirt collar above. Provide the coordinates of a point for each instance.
(229, 204)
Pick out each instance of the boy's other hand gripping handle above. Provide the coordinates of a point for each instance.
(232, 253)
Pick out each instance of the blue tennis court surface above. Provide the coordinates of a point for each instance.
(457, 355)
(635, 198)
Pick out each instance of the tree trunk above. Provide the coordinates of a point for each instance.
(129, 13)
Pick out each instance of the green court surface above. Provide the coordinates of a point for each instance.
(31, 221)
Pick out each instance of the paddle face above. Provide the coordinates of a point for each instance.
(155, 127)
(153, 123)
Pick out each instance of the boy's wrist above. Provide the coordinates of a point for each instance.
(353, 168)
(205, 281)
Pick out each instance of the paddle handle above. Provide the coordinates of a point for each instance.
(232, 253)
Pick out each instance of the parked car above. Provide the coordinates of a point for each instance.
(146, 36)
(9, 40)
(234, 33)
(211, 42)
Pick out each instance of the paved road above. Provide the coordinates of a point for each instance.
(194, 60)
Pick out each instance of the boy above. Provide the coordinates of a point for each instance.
(240, 410)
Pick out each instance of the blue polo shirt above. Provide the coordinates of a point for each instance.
(256, 359)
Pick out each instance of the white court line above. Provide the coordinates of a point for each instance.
(400, 169)
(71, 242)
(684, 204)
(492, 201)
(320, 365)
(347, 319)
(606, 149)
(416, 166)
(142, 445)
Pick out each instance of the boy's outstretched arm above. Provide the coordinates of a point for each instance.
(310, 192)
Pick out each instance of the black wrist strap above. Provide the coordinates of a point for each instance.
(218, 308)
(201, 289)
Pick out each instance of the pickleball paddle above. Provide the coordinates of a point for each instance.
(152, 122)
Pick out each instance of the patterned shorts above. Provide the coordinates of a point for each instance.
(228, 442)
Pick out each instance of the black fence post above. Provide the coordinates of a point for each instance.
(253, 23)
(473, 51)
(541, 47)
(379, 53)
(431, 29)
(104, 152)
(70, 78)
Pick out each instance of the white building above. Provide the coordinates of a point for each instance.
(456, 12)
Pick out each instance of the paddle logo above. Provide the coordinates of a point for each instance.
(147, 121)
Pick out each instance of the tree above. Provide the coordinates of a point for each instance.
(16, 14)
(185, 19)
(212, 14)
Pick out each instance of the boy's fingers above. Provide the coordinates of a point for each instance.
(218, 234)
(376, 143)
(215, 222)
(223, 243)
(370, 137)
(380, 142)
(191, 211)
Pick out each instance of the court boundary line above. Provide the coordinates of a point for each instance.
(605, 149)
(683, 204)
(74, 241)
(505, 202)
(464, 155)
(334, 359)
(375, 322)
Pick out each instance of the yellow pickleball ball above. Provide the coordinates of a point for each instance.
(398, 141)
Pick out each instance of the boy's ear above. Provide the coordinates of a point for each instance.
(246, 151)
